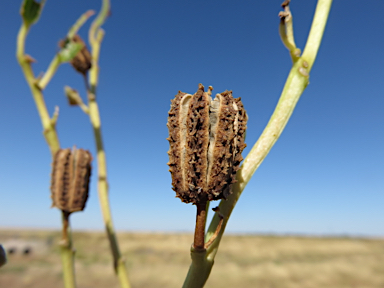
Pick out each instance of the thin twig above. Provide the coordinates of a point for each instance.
(201, 216)
(218, 228)
(64, 238)
(96, 35)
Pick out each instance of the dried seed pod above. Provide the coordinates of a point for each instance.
(71, 171)
(206, 138)
(82, 62)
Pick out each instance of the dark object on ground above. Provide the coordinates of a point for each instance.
(3, 257)
(11, 250)
(27, 250)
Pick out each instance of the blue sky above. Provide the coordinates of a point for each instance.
(324, 175)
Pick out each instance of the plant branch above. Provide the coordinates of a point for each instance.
(296, 83)
(79, 23)
(213, 236)
(100, 19)
(67, 253)
(316, 33)
(95, 38)
(49, 130)
(286, 31)
(50, 134)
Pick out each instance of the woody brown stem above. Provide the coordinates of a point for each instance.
(65, 238)
(201, 217)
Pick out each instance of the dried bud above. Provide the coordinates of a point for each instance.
(206, 138)
(73, 96)
(70, 179)
(82, 62)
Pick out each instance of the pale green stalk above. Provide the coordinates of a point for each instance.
(25, 63)
(67, 262)
(286, 32)
(297, 81)
(49, 129)
(67, 253)
(95, 38)
(50, 134)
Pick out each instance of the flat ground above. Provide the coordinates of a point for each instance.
(162, 260)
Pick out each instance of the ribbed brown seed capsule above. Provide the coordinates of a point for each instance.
(206, 138)
(71, 171)
(82, 62)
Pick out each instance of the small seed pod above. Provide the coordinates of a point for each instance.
(206, 138)
(71, 171)
(82, 62)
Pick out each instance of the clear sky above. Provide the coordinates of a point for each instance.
(325, 175)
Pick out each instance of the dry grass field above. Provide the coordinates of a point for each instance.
(162, 260)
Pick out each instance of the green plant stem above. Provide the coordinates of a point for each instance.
(286, 32)
(296, 83)
(316, 33)
(95, 38)
(52, 68)
(50, 134)
(118, 262)
(67, 262)
(48, 125)
(67, 252)
(79, 23)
